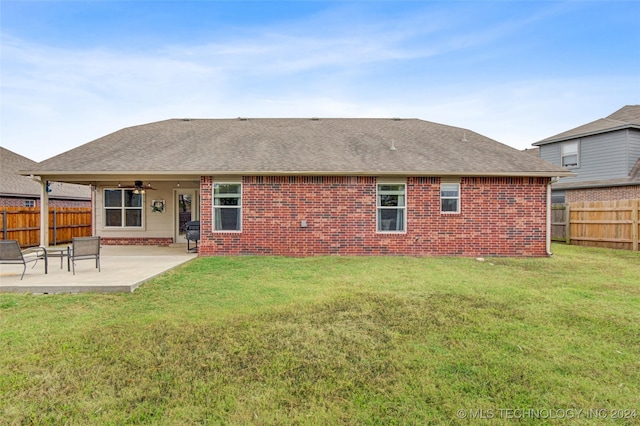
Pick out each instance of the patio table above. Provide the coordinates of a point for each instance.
(60, 252)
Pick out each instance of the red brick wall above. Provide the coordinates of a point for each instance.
(20, 202)
(67, 203)
(612, 193)
(499, 217)
(141, 241)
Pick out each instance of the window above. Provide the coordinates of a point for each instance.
(122, 208)
(557, 197)
(29, 203)
(227, 206)
(450, 198)
(569, 154)
(391, 207)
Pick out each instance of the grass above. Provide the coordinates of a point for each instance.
(325, 340)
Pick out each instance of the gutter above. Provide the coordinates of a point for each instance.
(587, 185)
(548, 242)
(169, 175)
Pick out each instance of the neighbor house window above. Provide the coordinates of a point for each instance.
(391, 207)
(569, 154)
(227, 206)
(558, 197)
(450, 198)
(29, 203)
(122, 208)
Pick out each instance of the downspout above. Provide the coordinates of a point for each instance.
(551, 182)
(44, 211)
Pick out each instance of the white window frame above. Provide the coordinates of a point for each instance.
(216, 209)
(29, 203)
(122, 208)
(567, 150)
(379, 207)
(447, 187)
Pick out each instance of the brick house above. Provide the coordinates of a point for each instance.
(22, 191)
(604, 155)
(300, 187)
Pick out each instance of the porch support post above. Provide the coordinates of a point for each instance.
(94, 213)
(44, 214)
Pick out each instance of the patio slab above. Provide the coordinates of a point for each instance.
(123, 269)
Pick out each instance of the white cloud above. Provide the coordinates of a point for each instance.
(521, 112)
(54, 98)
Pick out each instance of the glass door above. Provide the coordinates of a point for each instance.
(186, 210)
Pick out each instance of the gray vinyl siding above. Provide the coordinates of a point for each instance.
(604, 156)
(551, 153)
(634, 147)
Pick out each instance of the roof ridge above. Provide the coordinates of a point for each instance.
(627, 114)
(615, 121)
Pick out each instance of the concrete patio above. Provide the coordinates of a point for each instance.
(123, 269)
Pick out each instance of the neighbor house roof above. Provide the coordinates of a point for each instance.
(277, 146)
(13, 184)
(625, 118)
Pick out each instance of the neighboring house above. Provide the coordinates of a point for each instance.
(300, 187)
(22, 191)
(605, 155)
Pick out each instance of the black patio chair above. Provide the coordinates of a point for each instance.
(11, 254)
(83, 248)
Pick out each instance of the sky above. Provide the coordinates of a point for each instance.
(514, 71)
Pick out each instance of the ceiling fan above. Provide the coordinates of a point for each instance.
(138, 187)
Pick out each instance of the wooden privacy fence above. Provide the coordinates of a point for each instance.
(65, 223)
(560, 223)
(612, 224)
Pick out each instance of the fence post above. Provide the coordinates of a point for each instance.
(635, 204)
(4, 224)
(567, 224)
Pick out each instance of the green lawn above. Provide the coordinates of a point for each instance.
(325, 340)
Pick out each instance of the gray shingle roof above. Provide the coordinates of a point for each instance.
(626, 117)
(12, 184)
(296, 146)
